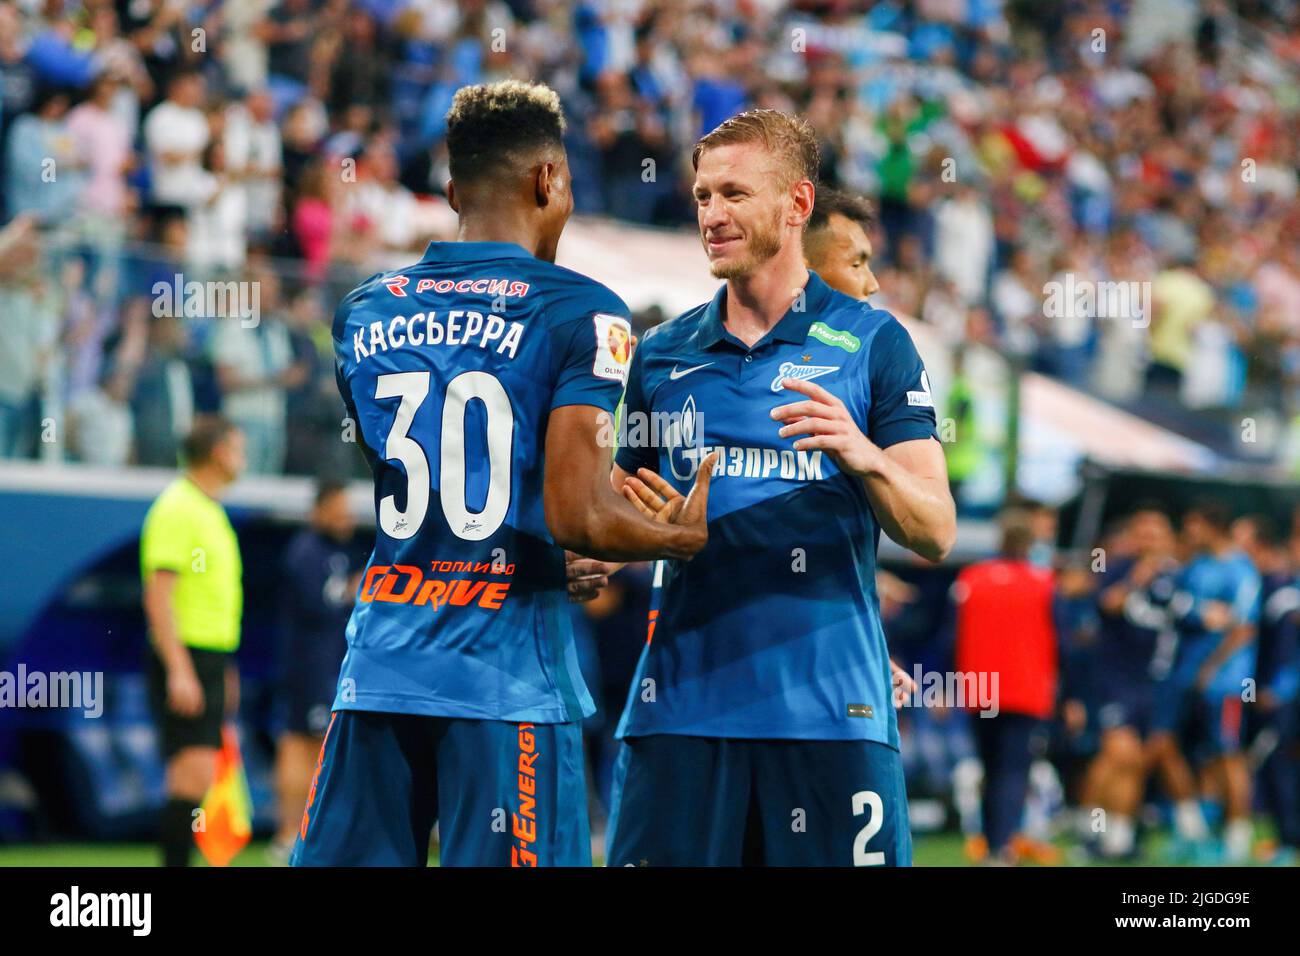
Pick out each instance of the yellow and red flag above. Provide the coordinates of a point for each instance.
(227, 808)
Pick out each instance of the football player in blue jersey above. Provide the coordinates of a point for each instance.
(481, 380)
(1273, 722)
(1215, 609)
(1134, 648)
(759, 727)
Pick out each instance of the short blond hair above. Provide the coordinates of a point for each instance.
(789, 139)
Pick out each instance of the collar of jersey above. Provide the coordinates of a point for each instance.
(474, 251)
(793, 326)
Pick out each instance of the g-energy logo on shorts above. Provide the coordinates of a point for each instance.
(613, 347)
(524, 820)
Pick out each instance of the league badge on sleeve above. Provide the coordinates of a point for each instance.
(923, 398)
(613, 347)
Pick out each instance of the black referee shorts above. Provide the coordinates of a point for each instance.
(178, 732)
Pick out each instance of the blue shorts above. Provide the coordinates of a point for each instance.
(503, 794)
(707, 801)
(1209, 724)
(1127, 707)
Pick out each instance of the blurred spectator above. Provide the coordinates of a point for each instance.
(963, 240)
(288, 34)
(1181, 301)
(218, 230)
(163, 400)
(254, 159)
(28, 328)
(176, 133)
(381, 211)
(311, 400)
(254, 365)
(314, 219)
(45, 167)
(361, 70)
(105, 140)
(243, 47)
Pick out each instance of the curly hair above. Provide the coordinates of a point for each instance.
(496, 128)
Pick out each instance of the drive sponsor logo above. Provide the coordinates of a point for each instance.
(406, 584)
(613, 347)
(510, 288)
(802, 373)
(840, 339)
(524, 819)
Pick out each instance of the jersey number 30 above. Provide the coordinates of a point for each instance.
(413, 388)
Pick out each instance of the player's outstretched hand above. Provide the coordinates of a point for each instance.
(658, 500)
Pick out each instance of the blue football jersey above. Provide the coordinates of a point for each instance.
(450, 369)
(1233, 580)
(1133, 643)
(773, 630)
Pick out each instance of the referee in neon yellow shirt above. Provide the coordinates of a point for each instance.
(193, 601)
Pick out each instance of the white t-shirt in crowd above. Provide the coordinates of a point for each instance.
(171, 128)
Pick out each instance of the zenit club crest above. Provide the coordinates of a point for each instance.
(801, 372)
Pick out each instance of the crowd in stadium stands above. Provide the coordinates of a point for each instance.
(1019, 154)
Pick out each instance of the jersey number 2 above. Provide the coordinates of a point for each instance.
(412, 388)
(868, 800)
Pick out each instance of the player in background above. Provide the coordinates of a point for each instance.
(1215, 609)
(1134, 648)
(760, 726)
(836, 245)
(482, 379)
(1273, 720)
(837, 248)
(320, 573)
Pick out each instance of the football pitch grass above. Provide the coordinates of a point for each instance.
(935, 850)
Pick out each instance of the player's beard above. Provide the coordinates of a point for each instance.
(764, 243)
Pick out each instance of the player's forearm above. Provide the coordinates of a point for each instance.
(916, 511)
(609, 529)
